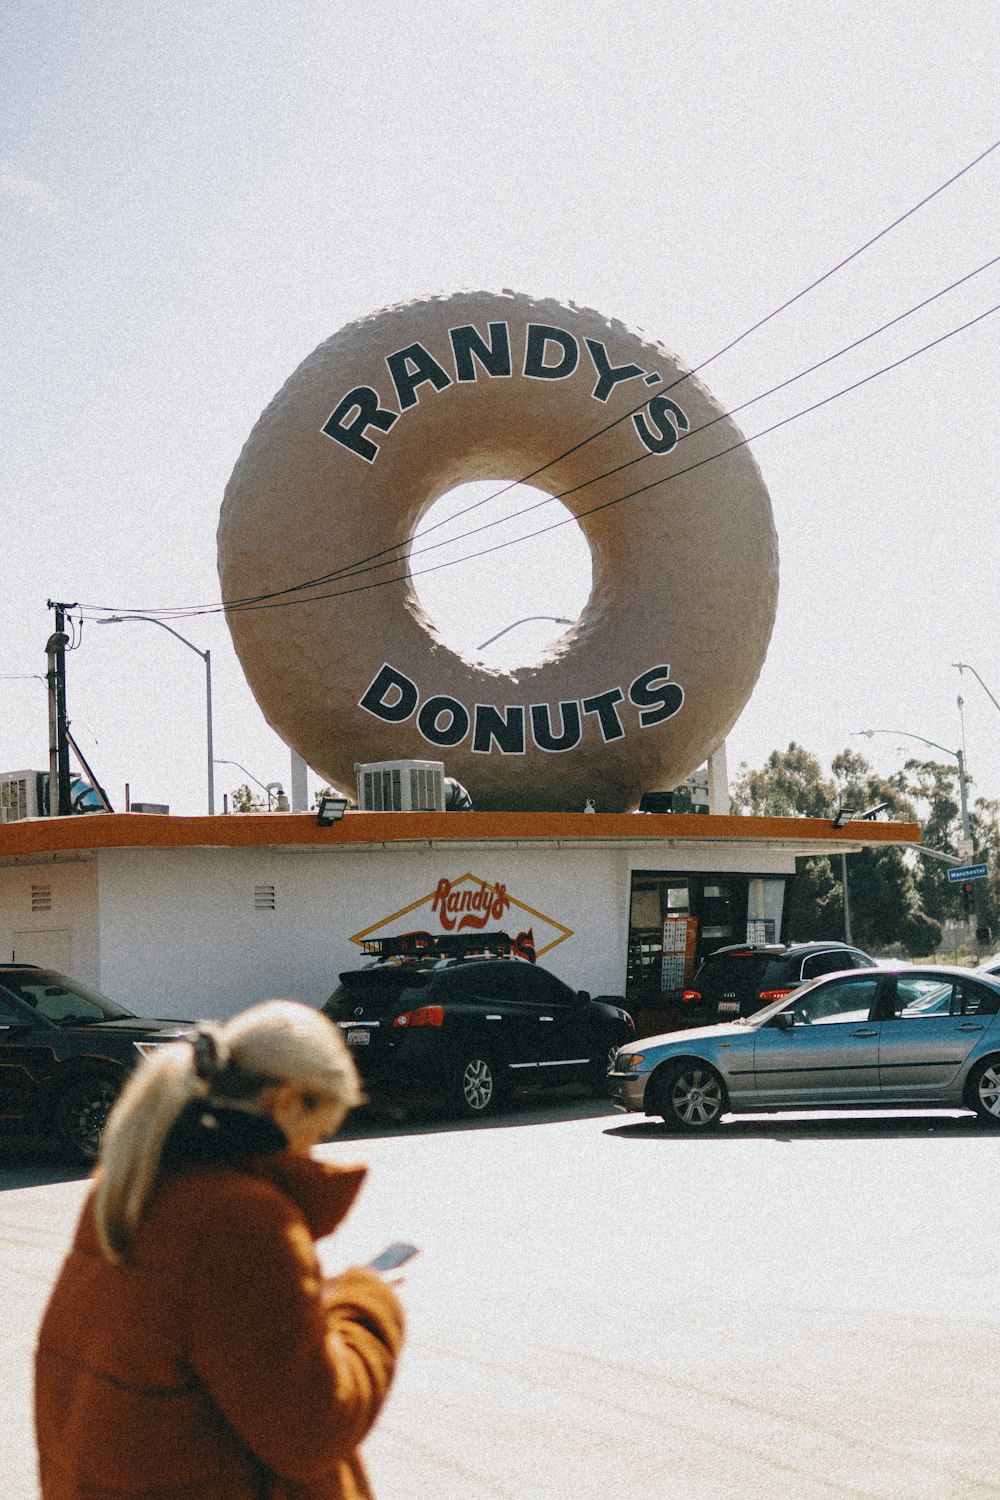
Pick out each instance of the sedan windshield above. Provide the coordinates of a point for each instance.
(60, 999)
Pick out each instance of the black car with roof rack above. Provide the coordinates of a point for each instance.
(65, 1051)
(742, 978)
(468, 1017)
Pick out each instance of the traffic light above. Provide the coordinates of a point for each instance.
(967, 898)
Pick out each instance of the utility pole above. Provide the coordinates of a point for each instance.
(60, 800)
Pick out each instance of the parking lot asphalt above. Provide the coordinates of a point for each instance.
(796, 1307)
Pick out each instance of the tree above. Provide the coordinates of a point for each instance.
(790, 784)
(985, 827)
(885, 901)
(244, 800)
(935, 787)
(330, 791)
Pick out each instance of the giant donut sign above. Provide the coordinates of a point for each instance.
(402, 406)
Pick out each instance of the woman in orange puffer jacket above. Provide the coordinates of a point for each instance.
(192, 1348)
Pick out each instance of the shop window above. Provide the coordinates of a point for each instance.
(656, 898)
(717, 915)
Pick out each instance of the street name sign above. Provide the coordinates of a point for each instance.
(968, 872)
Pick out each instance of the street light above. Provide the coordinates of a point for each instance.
(206, 657)
(963, 666)
(556, 620)
(962, 788)
(268, 788)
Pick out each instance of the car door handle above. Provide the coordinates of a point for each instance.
(971, 1026)
(546, 1018)
(494, 1018)
(865, 1031)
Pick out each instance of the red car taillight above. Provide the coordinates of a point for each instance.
(766, 996)
(688, 995)
(424, 1015)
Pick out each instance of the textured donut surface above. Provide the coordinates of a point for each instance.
(400, 407)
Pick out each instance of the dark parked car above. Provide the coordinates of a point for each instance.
(65, 1051)
(740, 979)
(466, 1020)
(876, 1038)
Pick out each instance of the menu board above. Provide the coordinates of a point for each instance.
(680, 937)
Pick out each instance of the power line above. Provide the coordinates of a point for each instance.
(352, 569)
(357, 570)
(282, 603)
(789, 302)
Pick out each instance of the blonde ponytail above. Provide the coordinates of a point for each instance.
(280, 1041)
(146, 1109)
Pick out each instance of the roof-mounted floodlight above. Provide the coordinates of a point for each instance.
(330, 810)
(872, 813)
(843, 815)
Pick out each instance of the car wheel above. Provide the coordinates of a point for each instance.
(693, 1097)
(983, 1091)
(599, 1070)
(81, 1112)
(476, 1089)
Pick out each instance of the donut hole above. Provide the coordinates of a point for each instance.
(490, 597)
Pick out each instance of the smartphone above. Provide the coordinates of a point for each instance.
(393, 1256)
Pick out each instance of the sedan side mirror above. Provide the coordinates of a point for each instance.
(784, 1020)
(583, 996)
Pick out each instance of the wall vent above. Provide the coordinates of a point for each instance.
(263, 898)
(41, 898)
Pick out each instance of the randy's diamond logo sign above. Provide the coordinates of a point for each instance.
(469, 904)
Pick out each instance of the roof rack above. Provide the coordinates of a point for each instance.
(414, 946)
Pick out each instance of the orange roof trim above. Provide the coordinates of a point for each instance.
(262, 830)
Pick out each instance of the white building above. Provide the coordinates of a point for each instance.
(202, 916)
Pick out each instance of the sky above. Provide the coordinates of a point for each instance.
(193, 196)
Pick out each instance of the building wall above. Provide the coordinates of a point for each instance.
(49, 915)
(180, 932)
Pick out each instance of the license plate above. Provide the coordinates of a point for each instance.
(358, 1037)
(726, 1005)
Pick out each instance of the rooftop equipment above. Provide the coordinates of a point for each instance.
(401, 786)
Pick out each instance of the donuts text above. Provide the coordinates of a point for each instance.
(445, 722)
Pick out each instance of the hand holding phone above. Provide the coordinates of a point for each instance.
(393, 1256)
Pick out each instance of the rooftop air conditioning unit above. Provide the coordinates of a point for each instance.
(401, 786)
(21, 795)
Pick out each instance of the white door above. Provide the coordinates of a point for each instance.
(48, 947)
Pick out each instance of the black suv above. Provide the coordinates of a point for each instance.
(741, 979)
(65, 1051)
(466, 1019)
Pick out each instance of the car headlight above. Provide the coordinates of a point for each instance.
(148, 1048)
(628, 1062)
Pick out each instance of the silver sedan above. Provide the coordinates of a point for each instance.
(870, 1037)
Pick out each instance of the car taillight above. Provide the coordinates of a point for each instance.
(688, 995)
(424, 1015)
(766, 996)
